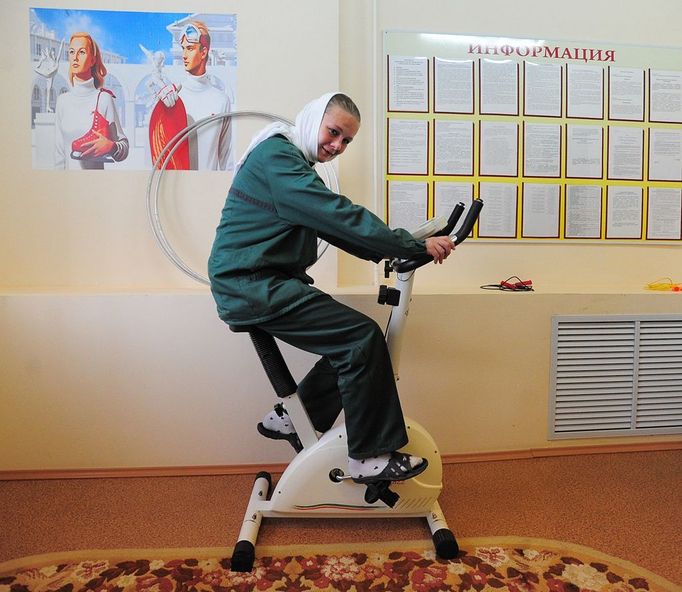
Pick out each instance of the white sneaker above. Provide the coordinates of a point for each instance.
(396, 466)
(278, 420)
(277, 425)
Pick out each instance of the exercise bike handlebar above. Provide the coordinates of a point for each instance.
(454, 217)
(405, 265)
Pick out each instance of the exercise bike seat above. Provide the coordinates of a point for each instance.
(242, 328)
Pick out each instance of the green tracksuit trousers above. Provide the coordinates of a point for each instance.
(354, 374)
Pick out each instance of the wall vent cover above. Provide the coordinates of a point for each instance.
(615, 375)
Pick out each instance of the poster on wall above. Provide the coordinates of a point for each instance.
(111, 89)
(562, 140)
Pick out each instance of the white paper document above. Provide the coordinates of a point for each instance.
(583, 211)
(448, 195)
(584, 148)
(624, 212)
(541, 150)
(665, 155)
(665, 96)
(499, 149)
(498, 218)
(664, 218)
(407, 201)
(585, 91)
(626, 94)
(408, 84)
(542, 89)
(499, 87)
(540, 210)
(408, 145)
(453, 86)
(454, 147)
(625, 153)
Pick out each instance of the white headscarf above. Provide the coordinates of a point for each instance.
(303, 134)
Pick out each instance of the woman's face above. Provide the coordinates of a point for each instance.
(81, 58)
(337, 130)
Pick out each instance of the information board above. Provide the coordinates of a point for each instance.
(562, 140)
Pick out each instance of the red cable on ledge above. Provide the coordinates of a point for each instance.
(509, 285)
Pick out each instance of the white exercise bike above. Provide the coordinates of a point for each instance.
(315, 483)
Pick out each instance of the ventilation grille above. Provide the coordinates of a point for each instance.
(614, 375)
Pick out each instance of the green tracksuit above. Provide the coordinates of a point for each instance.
(276, 209)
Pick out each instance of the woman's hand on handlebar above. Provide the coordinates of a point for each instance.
(439, 247)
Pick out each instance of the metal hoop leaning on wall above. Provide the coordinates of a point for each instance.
(326, 171)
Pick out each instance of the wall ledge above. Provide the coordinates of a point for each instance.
(217, 470)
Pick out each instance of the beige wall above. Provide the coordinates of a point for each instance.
(113, 358)
(144, 380)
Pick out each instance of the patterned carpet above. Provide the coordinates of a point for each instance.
(485, 564)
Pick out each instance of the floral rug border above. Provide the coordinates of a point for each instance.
(39, 560)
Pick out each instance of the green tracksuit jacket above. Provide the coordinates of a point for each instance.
(276, 209)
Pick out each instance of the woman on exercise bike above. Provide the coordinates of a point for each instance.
(276, 209)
